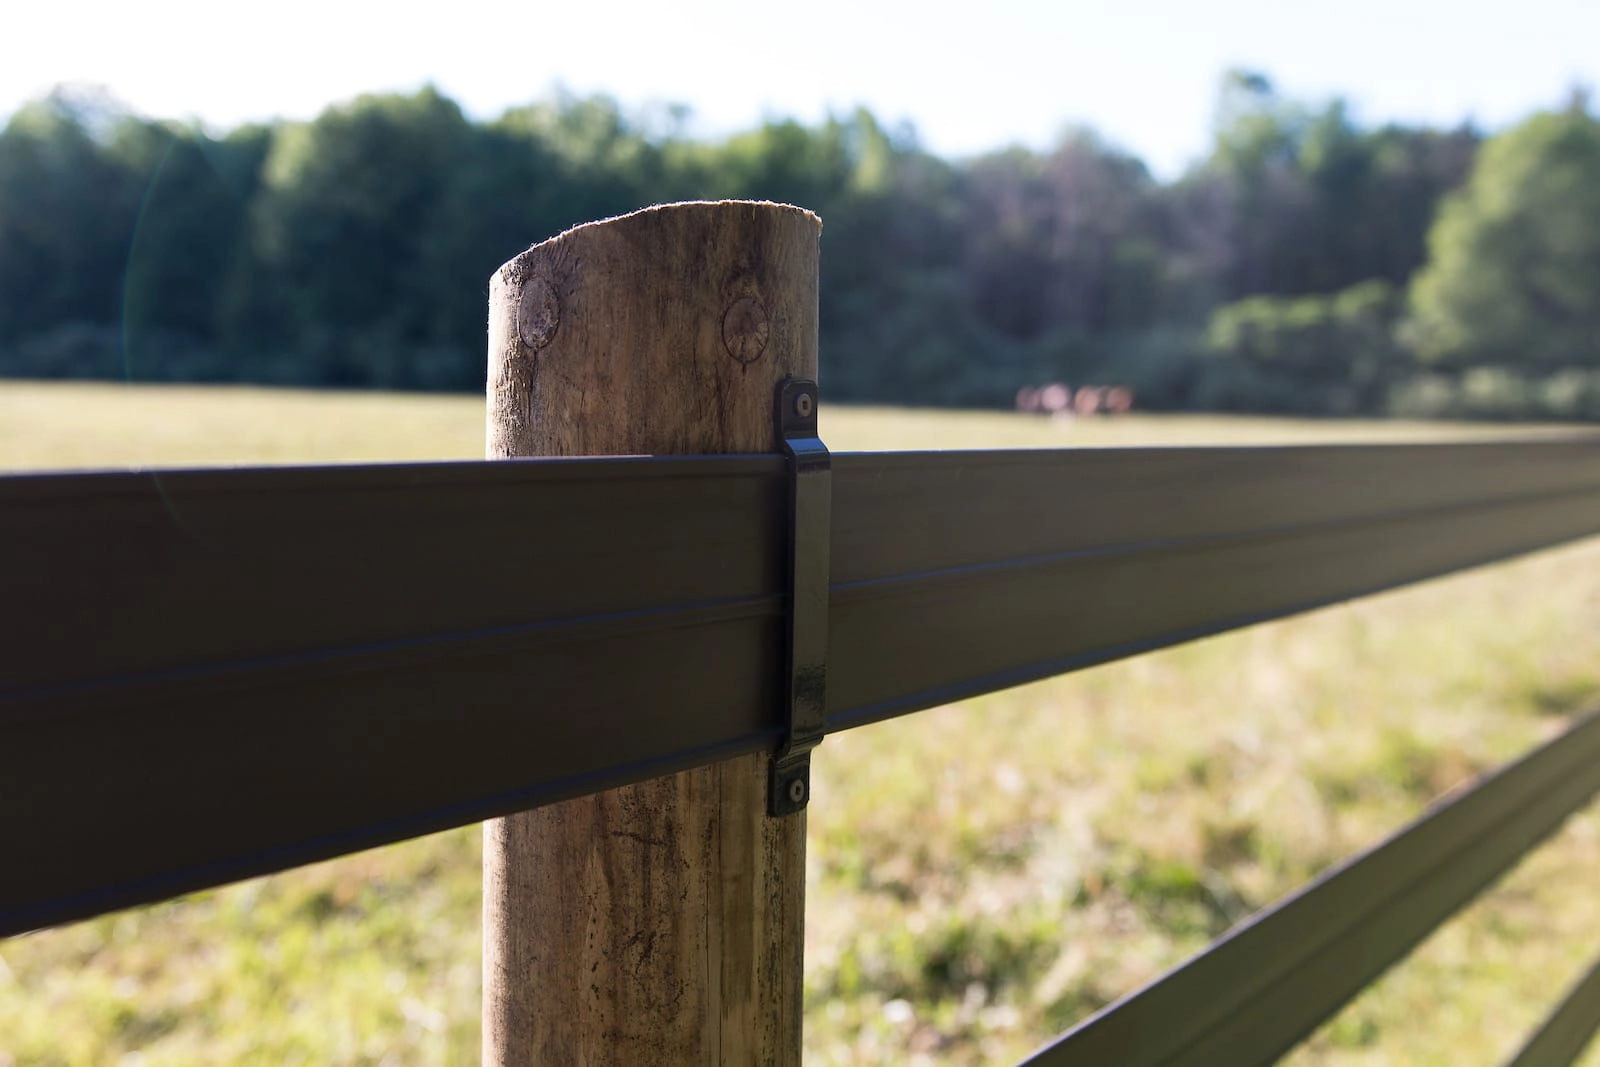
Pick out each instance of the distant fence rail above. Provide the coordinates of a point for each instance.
(213, 674)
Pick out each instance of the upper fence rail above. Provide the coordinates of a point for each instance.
(207, 675)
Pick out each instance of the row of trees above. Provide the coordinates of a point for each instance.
(1307, 265)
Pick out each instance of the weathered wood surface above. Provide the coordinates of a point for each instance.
(660, 923)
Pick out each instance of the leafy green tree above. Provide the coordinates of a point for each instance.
(1070, 242)
(356, 248)
(186, 241)
(1325, 354)
(1262, 201)
(591, 161)
(1297, 199)
(338, 232)
(1408, 172)
(1514, 274)
(67, 206)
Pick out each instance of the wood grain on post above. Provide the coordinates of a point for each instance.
(661, 923)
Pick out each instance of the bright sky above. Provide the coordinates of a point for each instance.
(969, 77)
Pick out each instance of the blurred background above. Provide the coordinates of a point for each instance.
(1364, 209)
(266, 236)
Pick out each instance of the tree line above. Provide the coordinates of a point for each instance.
(1309, 264)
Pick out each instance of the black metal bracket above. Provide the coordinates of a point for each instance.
(810, 532)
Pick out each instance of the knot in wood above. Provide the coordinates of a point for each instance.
(538, 313)
(745, 329)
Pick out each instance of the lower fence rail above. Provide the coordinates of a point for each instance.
(1262, 989)
(1569, 1029)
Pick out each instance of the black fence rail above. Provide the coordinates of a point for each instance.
(208, 675)
(1262, 988)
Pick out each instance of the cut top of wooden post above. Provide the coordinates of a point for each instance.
(653, 333)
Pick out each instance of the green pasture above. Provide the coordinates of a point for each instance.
(980, 876)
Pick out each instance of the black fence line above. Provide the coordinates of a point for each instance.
(1260, 990)
(1562, 1037)
(207, 675)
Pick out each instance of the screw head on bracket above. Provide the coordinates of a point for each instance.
(797, 791)
(804, 404)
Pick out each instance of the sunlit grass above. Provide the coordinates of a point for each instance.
(980, 876)
(75, 425)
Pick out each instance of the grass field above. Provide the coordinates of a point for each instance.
(980, 876)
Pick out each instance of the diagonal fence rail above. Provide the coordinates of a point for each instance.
(1562, 1037)
(1265, 986)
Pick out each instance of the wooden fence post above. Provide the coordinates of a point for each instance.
(661, 923)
